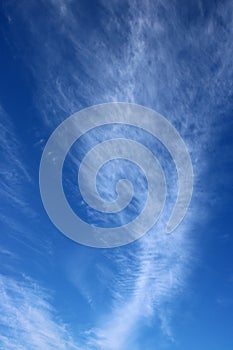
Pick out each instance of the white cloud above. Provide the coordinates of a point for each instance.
(27, 319)
(14, 172)
(148, 281)
(17, 185)
(148, 56)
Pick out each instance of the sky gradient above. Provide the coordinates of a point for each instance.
(162, 291)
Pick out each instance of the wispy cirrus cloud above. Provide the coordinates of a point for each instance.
(14, 174)
(16, 188)
(28, 320)
(14, 171)
(150, 54)
(147, 282)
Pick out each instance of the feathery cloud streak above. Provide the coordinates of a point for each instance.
(150, 54)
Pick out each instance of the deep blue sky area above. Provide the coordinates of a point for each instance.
(161, 291)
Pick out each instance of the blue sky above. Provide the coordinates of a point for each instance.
(162, 291)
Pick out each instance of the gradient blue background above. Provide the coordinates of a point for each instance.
(57, 57)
